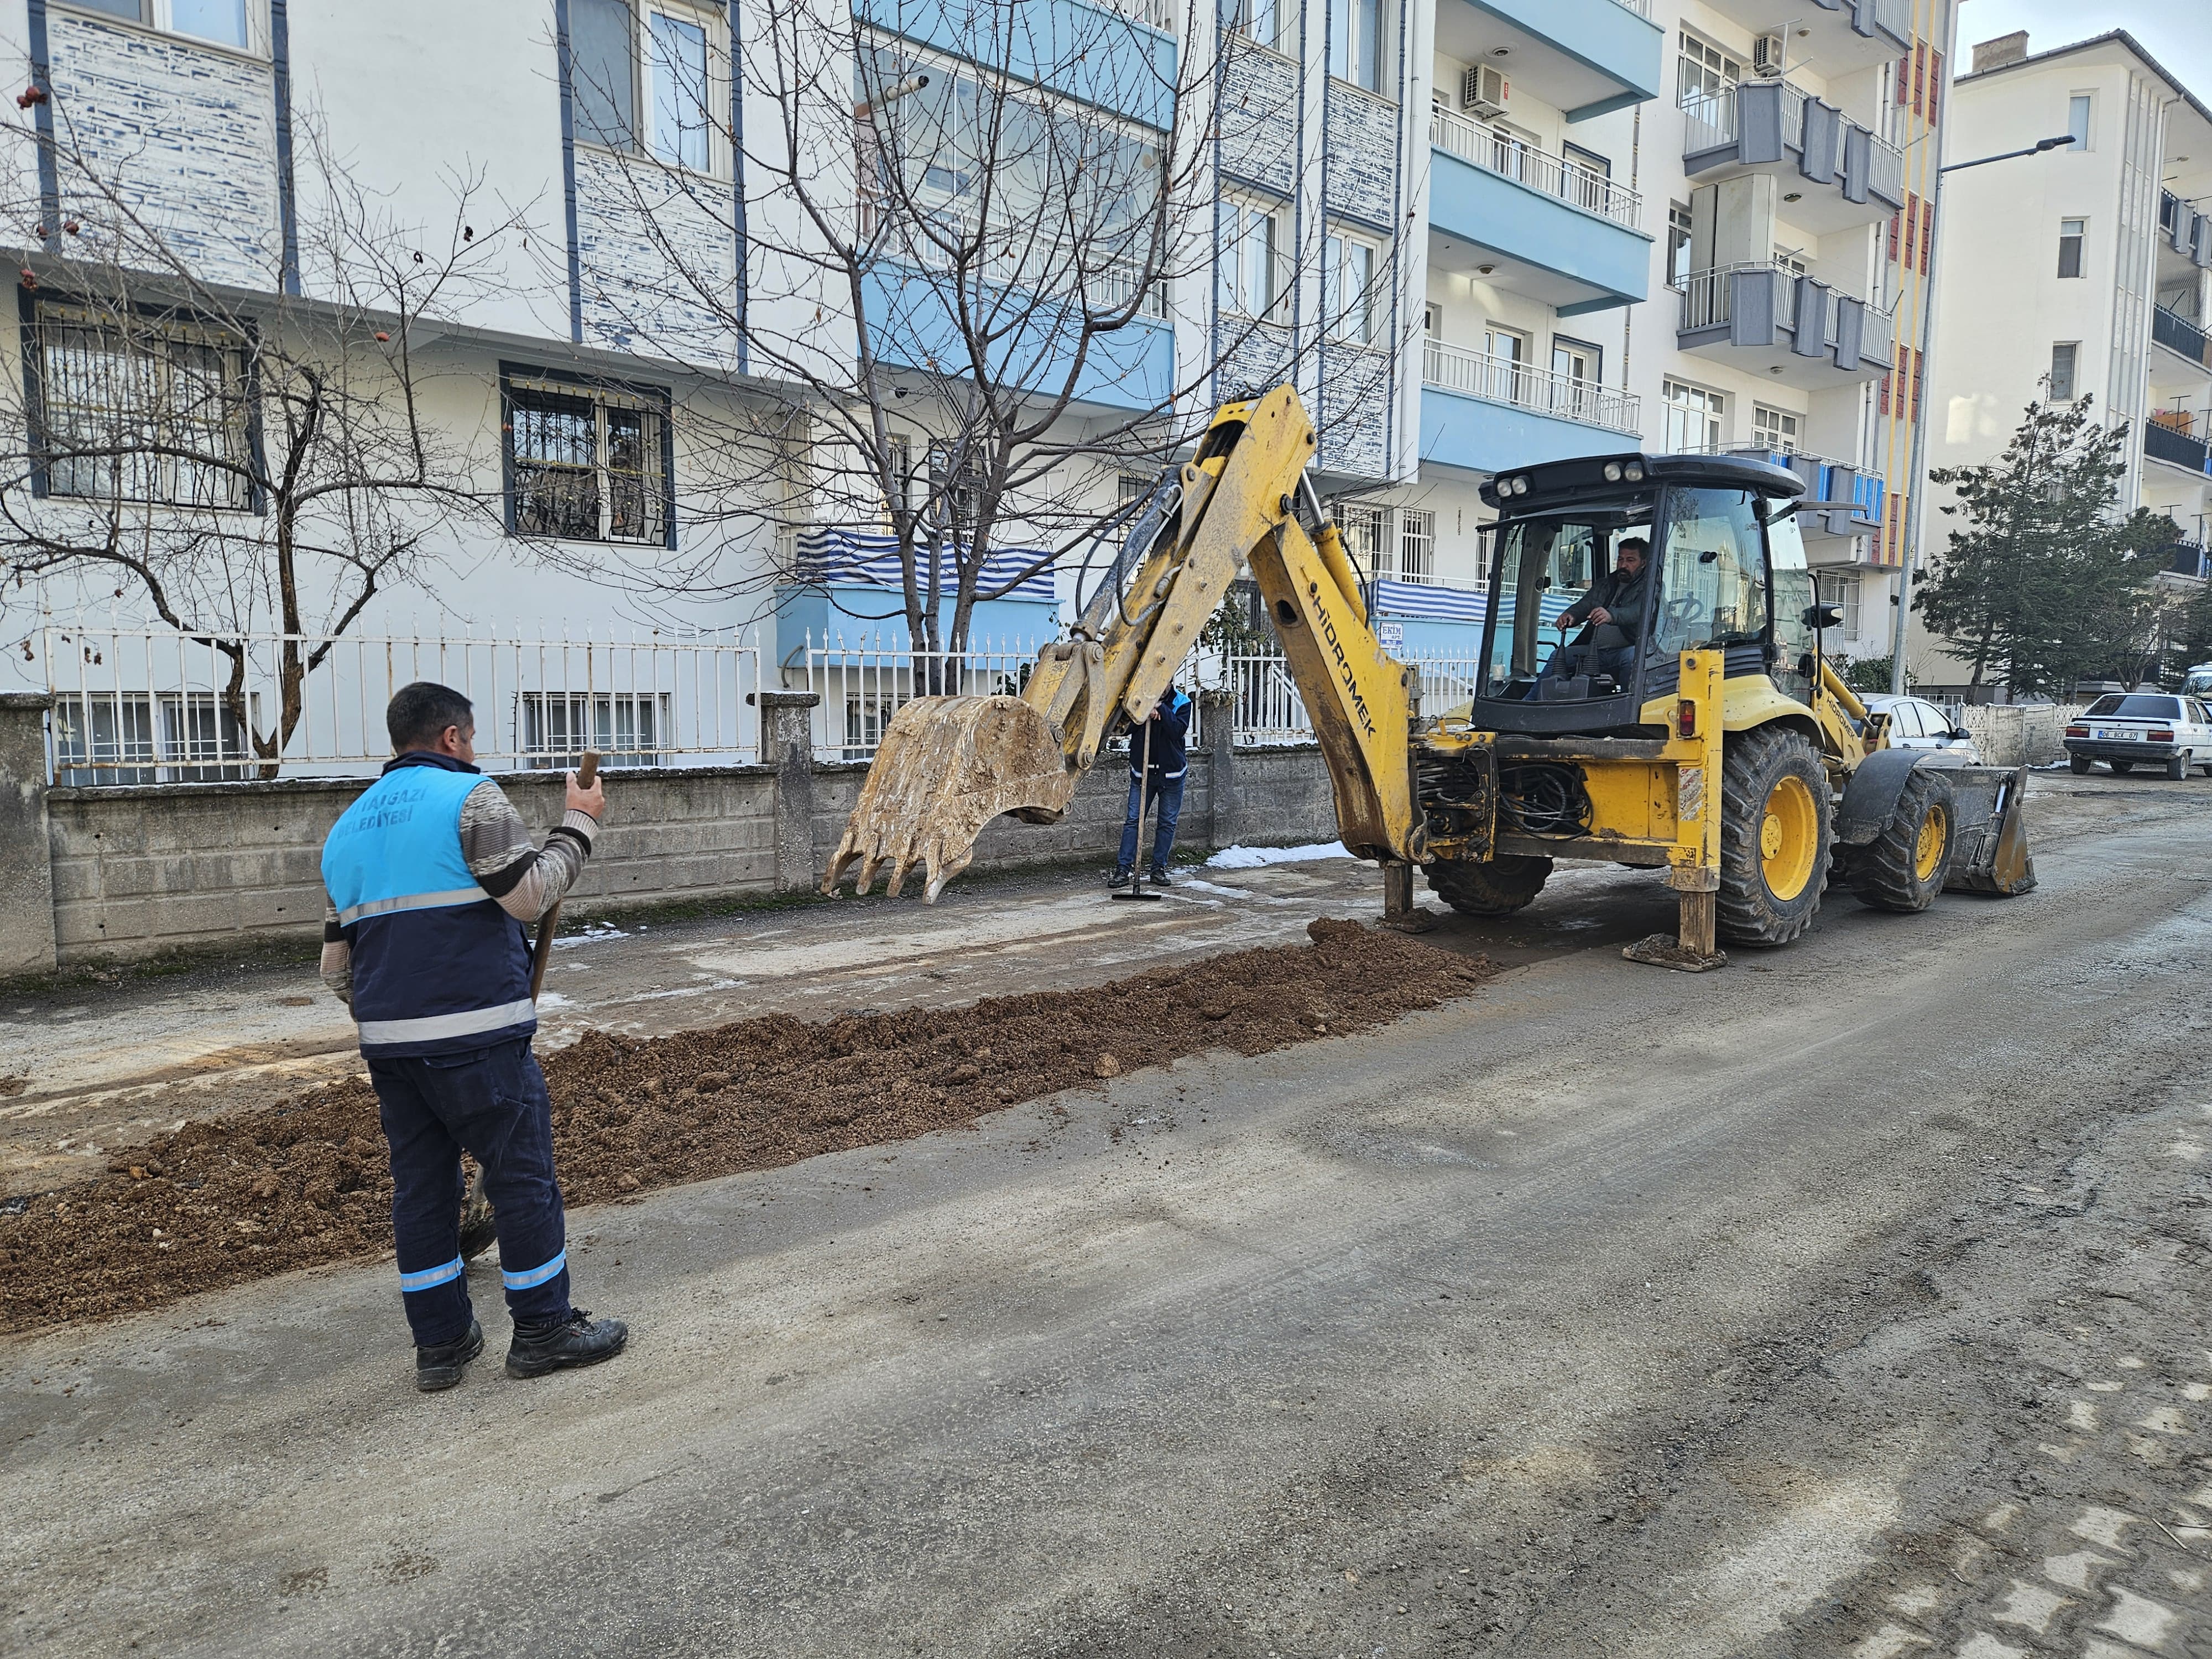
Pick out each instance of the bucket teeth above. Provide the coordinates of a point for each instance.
(946, 766)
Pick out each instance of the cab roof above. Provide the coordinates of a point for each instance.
(1555, 484)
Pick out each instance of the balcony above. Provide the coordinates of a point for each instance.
(2184, 559)
(2176, 447)
(2184, 231)
(1768, 319)
(1781, 130)
(2183, 364)
(1530, 222)
(1483, 414)
(1850, 500)
(1585, 57)
(1843, 34)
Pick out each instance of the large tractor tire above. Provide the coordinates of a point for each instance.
(1776, 837)
(1493, 887)
(1906, 866)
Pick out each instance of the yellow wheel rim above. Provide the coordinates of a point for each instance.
(1789, 838)
(1934, 836)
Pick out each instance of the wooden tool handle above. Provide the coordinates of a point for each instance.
(587, 772)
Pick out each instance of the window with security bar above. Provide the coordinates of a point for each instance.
(1417, 543)
(1366, 532)
(588, 463)
(137, 408)
(142, 736)
(627, 728)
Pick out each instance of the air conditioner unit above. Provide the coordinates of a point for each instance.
(1484, 90)
(1767, 56)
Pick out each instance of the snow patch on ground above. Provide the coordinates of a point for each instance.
(1252, 858)
(1193, 886)
(592, 935)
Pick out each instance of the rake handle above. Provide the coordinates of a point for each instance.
(587, 772)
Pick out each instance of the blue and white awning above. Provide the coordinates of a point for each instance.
(849, 558)
(1424, 603)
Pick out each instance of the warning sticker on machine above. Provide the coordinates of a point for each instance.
(1690, 794)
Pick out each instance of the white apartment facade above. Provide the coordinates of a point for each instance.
(2103, 251)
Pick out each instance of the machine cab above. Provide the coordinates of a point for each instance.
(1604, 570)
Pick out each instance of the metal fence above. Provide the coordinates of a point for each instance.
(1508, 380)
(156, 706)
(1498, 151)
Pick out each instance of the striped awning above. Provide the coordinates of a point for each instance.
(1422, 602)
(852, 558)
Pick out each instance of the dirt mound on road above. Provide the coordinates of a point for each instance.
(304, 1183)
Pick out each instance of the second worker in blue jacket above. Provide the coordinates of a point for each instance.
(1160, 741)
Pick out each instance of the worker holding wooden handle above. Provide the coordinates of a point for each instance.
(432, 878)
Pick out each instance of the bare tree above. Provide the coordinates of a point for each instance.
(952, 325)
(238, 459)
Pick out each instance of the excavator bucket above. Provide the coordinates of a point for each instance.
(1990, 840)
(946, 766)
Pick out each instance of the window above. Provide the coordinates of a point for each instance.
(141, 408)
(1417, 543)
(1789, 259)
(1348, 296)
(1254, 252)
(679, 92)
(603, 68)
(1133, 487)
(1776, 428)
(1905, 719)
(1355, 42)
(1847, 601)
(587, 463)
(1586, 177)
(1693, 416)
(1432, 321)
(2070, 234)
(1678, 244)
(1714, 574)
(1266, 22)
(960, 493)
(1577, 367)
(2077, 120)
(1703, 76)
(2130, 707)
(625, 727)
(139, 737)
(223, 22)
(1366, 532)
(2063, 356)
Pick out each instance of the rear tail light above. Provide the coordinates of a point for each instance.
(1685, 718)
(2077, 730)
(2159, 736)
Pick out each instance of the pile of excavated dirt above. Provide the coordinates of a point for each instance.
(231, 1198)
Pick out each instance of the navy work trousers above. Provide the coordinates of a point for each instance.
(1167, 801)
(492, 1102)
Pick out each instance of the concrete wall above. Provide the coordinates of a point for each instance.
(147, 868)
(2019, 734)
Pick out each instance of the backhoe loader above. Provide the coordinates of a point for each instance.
(1706, 735)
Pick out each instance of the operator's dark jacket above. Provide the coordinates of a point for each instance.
(1620, 595)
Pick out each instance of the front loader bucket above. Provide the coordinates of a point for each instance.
(1990, 841)
(948, 766)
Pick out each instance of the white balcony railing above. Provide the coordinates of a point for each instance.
(1502, 381)
(1514, 158)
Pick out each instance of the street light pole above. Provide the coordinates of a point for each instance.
(1915, 483)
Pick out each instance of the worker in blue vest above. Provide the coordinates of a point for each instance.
(431, 877)
(1157, 766)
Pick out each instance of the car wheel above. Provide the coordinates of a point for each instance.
(2178, 768)
(2079, 765)
(2122, 767)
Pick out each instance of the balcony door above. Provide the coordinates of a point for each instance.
(1577, 367)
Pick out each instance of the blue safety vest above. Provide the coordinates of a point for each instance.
(438, 967)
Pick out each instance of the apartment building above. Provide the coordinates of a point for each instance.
(1682, 226)
(2102, 251)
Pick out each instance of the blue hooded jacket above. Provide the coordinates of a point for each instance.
(1168, 730)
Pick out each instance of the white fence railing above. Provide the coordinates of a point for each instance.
(156, 706)
(1502, 380)
(1497, 151)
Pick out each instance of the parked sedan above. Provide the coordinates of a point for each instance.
(1916, 723)
(2142, 728)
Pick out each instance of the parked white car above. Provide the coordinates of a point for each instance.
(1916, 723)
(2129, 729)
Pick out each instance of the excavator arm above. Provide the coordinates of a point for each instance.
(947, 766)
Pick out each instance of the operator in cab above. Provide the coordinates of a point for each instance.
(1616, 600)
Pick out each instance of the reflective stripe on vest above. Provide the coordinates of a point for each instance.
(436, 1027)
(411, 902)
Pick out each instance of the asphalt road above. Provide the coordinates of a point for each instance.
(1849, 1301)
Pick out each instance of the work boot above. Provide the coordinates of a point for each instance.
(479, 1230)
(578, 1340)
(1120, 877)
(441, 1367)
(1159, 877)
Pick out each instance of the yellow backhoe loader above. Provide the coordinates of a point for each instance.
(1704, 734)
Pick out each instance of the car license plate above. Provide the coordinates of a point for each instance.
(2116, 736)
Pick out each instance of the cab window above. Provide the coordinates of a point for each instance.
(1712, 587)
